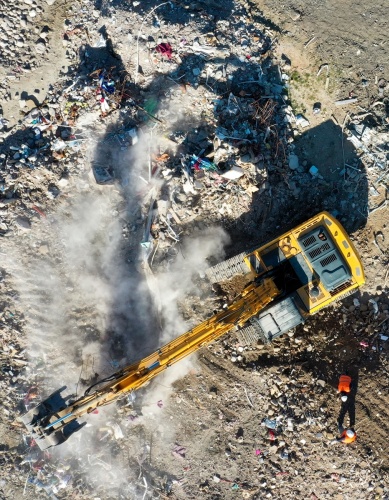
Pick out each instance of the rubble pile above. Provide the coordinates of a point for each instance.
(20, 26)
(28, 37)
(367, 131)
(180, 115)
(227, 85)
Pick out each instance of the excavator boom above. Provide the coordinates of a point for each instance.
(53, 421)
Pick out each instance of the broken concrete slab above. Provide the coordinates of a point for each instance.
(233, 174)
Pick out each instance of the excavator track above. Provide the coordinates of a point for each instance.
(251, 335)
(228, 269)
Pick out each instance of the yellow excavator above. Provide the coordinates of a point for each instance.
(288, 279)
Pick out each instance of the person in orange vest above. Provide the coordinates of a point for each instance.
(348, 436)
(344, 387)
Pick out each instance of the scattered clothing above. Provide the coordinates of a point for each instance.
(165, 49)
(105, 83)
(179, 451)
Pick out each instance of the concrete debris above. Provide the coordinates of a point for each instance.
(293, 162)
(301, 121)
(343, 102)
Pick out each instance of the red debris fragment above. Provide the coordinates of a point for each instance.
(39, 211)
(165, 49)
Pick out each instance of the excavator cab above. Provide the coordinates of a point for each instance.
(312, 265)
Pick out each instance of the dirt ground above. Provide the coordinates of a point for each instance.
(350, 38)
(79, 303)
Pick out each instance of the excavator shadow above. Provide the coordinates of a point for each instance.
(327, 174)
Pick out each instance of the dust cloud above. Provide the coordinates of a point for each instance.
(65, 283)
(91, 305)
(172, 287)
(178, 282)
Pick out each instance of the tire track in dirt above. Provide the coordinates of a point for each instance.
(354, 44)
(49, 65)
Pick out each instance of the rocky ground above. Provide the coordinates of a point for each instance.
(140, 143)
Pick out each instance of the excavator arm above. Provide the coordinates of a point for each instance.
(55, 419)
